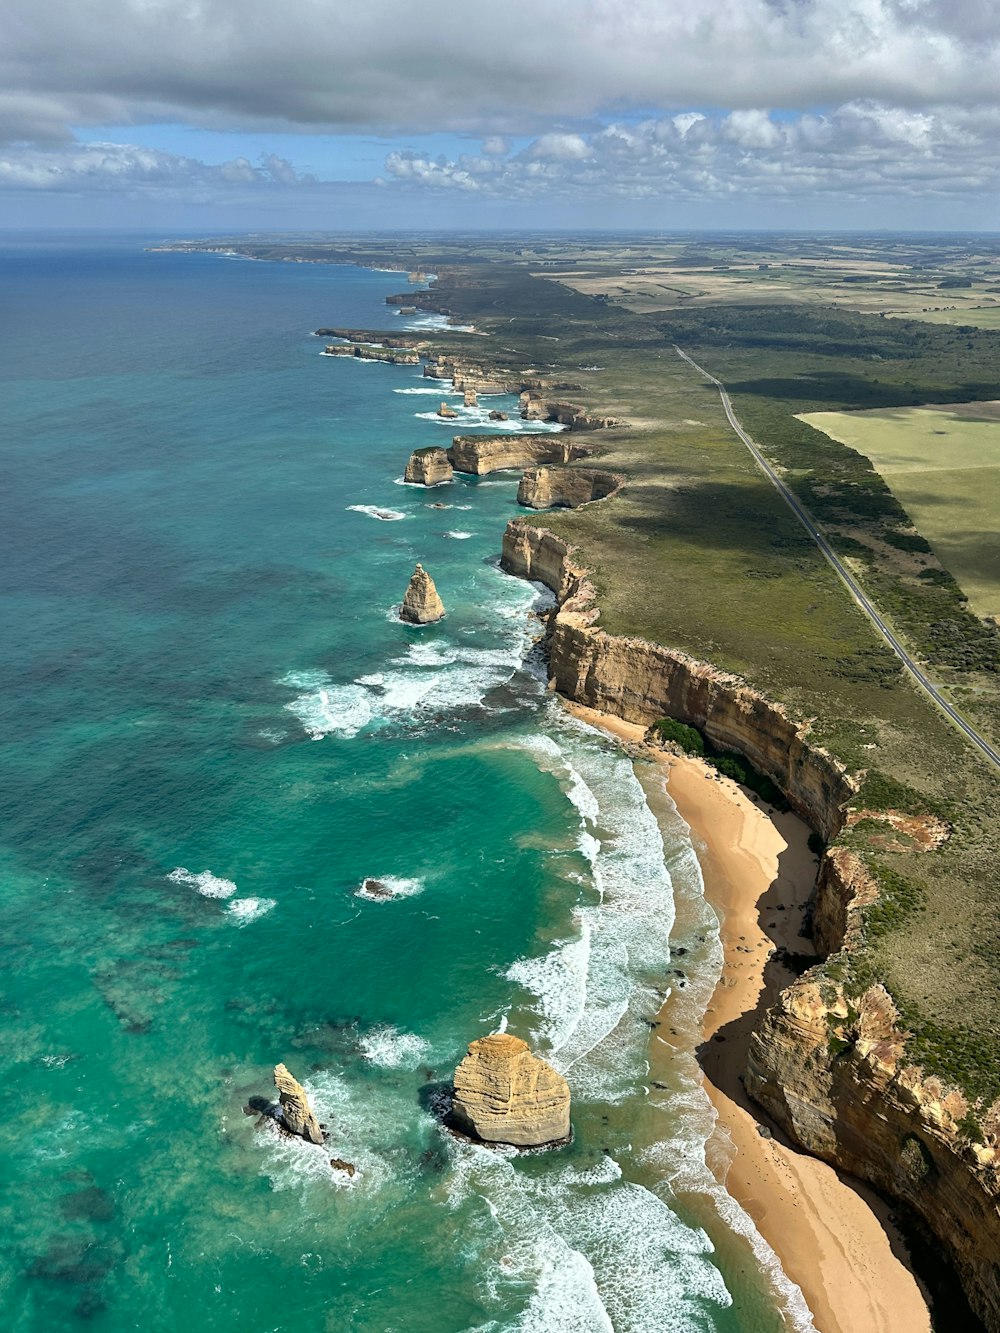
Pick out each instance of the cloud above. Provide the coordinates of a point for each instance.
(490, 70)
(131, 169)
(861, 150)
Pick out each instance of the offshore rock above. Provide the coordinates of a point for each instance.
(566, 487)
(296, 1113)
(496, 415)
(470, 398)
(504, 1094)
(428, 467)
(445, 410)
(421, 605)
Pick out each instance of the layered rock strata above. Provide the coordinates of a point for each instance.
(428, 467)
(536, 408)
(481, 454)
(362, 352)
(421, 604)
(297, 1115)
(828, 1065)
(566, 487)
(504, 1094)
(642, 682)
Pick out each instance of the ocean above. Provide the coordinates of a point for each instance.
(215, 729)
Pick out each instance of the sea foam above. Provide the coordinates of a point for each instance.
(207, 884)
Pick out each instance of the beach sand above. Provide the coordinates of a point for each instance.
(834, 1237)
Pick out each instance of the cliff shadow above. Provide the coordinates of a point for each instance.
(785, 921)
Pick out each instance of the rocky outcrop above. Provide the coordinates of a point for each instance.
(536, 408)
(489, 378)
(446, 410)
(642, 682)
(832, 1071)
(828, 1064)
(497, 416)
(368, 336)
(470, 398)
(421, 605)
(365, 353)
(566, 487)
(504, 1094)
(480, 454)
(297, 1115)
(428, 467)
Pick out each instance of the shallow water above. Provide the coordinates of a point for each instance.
(216, 730)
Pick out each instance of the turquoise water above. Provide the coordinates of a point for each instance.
(215, 728)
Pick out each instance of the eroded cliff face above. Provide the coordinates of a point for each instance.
(428, 467)
(536, 407)
(480, 454)
(642, 682)
(566, 487)
(832, 1071)
(829, 1065)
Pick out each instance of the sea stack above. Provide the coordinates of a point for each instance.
(446, 411)
(429, 467)
(504, 1094)
(470, 399)
(421, 605)
(296, 1113)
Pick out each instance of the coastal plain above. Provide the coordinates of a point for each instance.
(698, 552)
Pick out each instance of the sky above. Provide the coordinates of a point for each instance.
(207, 115)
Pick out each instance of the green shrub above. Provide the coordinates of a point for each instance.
(689, 740)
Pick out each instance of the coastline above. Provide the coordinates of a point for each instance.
(835, 1239)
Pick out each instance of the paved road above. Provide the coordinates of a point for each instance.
(853, 587)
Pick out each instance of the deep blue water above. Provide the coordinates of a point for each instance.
(215, 728)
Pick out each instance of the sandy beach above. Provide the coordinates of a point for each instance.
(834, 1238)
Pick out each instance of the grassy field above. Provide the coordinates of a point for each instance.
(943, 464)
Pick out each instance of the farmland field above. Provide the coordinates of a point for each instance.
(943, 464)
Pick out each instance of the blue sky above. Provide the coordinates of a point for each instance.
(656, 113)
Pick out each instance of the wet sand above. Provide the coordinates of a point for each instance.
(834, 1238)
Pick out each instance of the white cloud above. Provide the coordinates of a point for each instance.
(126, 167)
(527, 66)
(861, 150)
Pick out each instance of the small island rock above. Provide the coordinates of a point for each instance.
(298, 1116)
(421, 605)
(429, 467)
(504, 1094)
(445, 410)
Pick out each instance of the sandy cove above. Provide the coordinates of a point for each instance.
(834, 1237)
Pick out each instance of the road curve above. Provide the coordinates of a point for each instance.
(846, 577)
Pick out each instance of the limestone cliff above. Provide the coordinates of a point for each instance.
(296, 1113)
(504, 1094)
(534, 407)
(421, 605)
(566, 487)
(480, 454)
(828, 1064)
(642, 682)
(428, 467)
(363, 352)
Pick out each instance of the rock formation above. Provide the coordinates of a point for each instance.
(504, 1094)
(363, 352)
(480, 454)
(421, 605)
(566, 487)
(830, 1067)
(446, 411)
(642, 682)
(296, 1113)
(536, 408)
(428, 467)
(470, 398)
(496, 415)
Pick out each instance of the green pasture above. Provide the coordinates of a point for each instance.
(943, 463)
